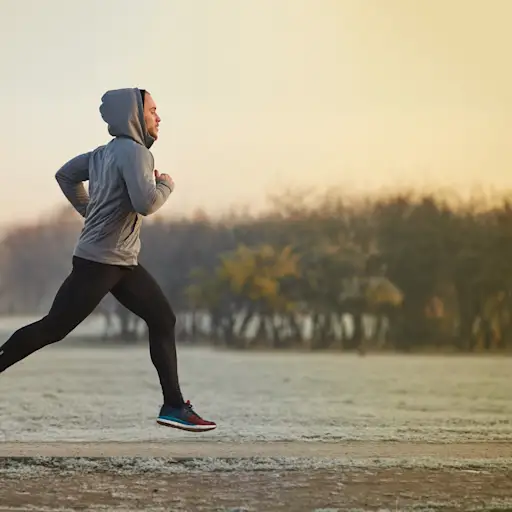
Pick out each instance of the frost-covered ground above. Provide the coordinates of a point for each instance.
(301, 432)
(72, 393)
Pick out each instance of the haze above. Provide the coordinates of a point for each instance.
(257, 96)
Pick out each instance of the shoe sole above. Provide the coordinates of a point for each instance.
(188, 428)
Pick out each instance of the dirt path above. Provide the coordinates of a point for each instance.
(201, 449)
(260, 477)
(273, 491)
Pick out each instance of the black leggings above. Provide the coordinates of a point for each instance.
(77, 298)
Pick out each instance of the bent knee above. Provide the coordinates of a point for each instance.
(162, 324)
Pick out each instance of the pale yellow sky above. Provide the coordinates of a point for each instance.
(260, 95)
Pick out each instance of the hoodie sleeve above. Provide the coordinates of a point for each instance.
(137, 168)
(70, 178)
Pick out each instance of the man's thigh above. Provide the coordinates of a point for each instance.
(139, 292)
(82, 291)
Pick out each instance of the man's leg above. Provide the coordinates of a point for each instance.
(76, 299)
(140, 293)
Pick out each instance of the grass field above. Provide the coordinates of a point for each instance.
(296, 432)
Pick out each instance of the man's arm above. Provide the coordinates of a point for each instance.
(70, 178)
(146, 194)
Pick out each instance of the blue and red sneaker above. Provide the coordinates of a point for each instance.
(184, 418)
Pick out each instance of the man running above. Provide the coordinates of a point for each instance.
(123, 188)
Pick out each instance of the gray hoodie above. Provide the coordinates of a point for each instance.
(122, 186)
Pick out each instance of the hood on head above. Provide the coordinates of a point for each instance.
(123, 111)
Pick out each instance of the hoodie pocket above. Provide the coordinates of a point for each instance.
(130, 231)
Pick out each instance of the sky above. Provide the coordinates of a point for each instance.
(260, 96)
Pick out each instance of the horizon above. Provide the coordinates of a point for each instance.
(480, 201)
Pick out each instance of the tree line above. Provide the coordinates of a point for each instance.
(401, 272)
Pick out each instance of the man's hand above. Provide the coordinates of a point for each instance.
(164, 177)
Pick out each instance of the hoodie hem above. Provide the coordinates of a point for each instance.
(106, 257)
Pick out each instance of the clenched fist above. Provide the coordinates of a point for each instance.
(164, 177)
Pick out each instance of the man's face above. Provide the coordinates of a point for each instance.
(151, 118)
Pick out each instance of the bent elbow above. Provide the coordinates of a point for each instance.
(61, 177)
(144, 209)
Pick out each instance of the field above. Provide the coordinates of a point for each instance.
(298, 432)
